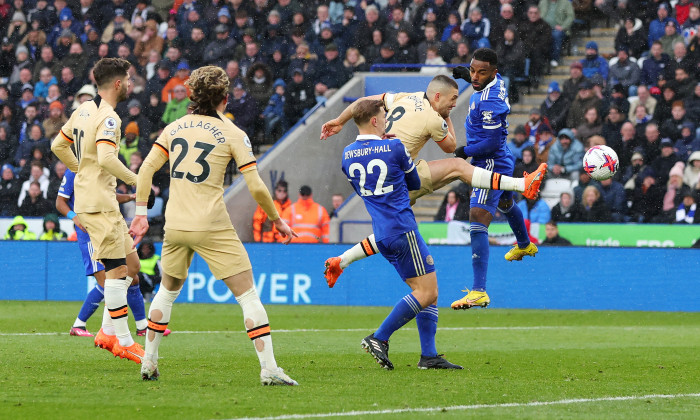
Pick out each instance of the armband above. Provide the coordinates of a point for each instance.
(71, 214)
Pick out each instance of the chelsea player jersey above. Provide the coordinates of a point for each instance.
(378, 171)
(486, 122)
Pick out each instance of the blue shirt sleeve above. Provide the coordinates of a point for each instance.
(408, 167)
(66, 189)
(491, 122)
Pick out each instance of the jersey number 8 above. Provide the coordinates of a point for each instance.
(380, 189)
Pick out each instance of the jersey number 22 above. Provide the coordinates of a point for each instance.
(380, 189)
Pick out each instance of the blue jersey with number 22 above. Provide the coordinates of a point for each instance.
(382, 172)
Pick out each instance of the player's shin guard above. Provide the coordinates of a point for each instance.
(427, 321)
(405, 310)
(481, 178)
(158, 319)
(517, 224)
(115, 301)
(92, 302)
(366, 248)
(258, 327)
(480, 254)
(135, 300)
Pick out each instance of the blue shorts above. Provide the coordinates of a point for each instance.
(86, 249)
(488, 199)
(408, 253)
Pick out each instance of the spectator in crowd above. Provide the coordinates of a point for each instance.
(631, 172)
(46, 79)
(181, 75)
(220, 50)
(592, 208)
(258, 83)
(354, 61)
(510, 60)
(433, 59)
(52, 229)
(19, 230)
(498, 26)
(273, 113)
(528, 163)
(693, 20)
(52, 125)
(336, 201)
(552, 238)
(244, 109)
(397, 23)
(534, 123)
(612, 127)
(177, 106)
(299, 97)
(456, 48)
(680, 58)
(624, 72)
(9, 191)
(688, 142)
(647, 198)
(544, 142)
(332, 72)
(535, 210)
(671, 128)
(584, 101)
(405, 52)
(584, 180)
(519, 142)
(149, 41)
(670, 37)
(150, 273)
(631, 36)
(46, 60)
(691, 174)
(263, 229)
(36, 174)
(655, 65)
(682, 83)
(431, 40)
(35, 140)
(593, 63)
(675, 190)
(34, 203)
(452, 208)
(476, 29)
(559, 15)
(308, 218)
(573, 83)
(194, 47)
(687, 213)
(650, 144)
(657, 26)
(614, 195)
(555, 107)
(565, 156)
(563, 211)
(664, 105)
(591, 125)
(643, 98)
(371, 22)
(534, 33)
(130, 142)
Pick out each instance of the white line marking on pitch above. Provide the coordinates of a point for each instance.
(315, 330)
(468, 407)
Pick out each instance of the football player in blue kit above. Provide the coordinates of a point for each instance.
(382, 172)
(487, 130)
(64, 204)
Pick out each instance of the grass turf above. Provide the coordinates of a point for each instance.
(510, 356)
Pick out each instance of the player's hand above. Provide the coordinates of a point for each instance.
(388, 136)
(459, 153)
(461, 72)
(138, 228)
(151, 200)
(330, 128)
(284, 230)
(79, 225)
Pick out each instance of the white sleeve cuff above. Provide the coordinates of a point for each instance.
(141, 211)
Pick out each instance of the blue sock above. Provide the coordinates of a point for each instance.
(405, 310)
(517, 224)
(135, 300)
(480, 254)
(427, 320)
(92, 302)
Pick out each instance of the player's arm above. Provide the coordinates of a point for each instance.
(109, 161)
(125, 198)
(335, 125)
(63, 208)
(449, 143)
(262, 196)
(408, 167)
(155, 159)
(61, 148)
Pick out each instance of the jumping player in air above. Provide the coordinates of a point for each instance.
(65, 201)
(382, 172)
(94, 130)
(487, 130)
(415, 118)
(199, 147)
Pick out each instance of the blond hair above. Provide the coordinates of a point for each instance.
(208, 86)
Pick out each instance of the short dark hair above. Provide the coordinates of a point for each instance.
(551, 223)
(283, 184)
(486, 55)
(108, 69)
(363, 111)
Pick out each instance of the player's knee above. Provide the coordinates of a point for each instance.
(113, 263)
(505, 205)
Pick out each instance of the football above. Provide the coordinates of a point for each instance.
(600, 162)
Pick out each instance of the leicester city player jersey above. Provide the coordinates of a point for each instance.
(66, 190)
(486, 120)
(376, 170)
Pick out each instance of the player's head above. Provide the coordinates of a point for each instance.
(369, 116)
(484, 67)
(442, 93)
(112, 74)
(208, 89)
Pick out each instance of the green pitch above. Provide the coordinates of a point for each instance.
(518, 364)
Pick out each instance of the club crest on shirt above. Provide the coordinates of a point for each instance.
(246, 141)
(111, 123)
(473, 106)
(444, 126)
(488, 116)
(429, 260)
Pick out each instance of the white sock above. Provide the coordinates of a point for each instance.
(481, 178)
(141, 323)
(158, 318)
(78, 323)
(258, 327)
(366, 248)
(107, 325)
(115, 301)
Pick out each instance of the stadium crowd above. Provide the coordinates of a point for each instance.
(284, 56)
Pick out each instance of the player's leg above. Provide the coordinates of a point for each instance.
(94, 296)
(517, 224)
(134, 298)
(335, 265)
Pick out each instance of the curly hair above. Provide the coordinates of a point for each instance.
(208, 86)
